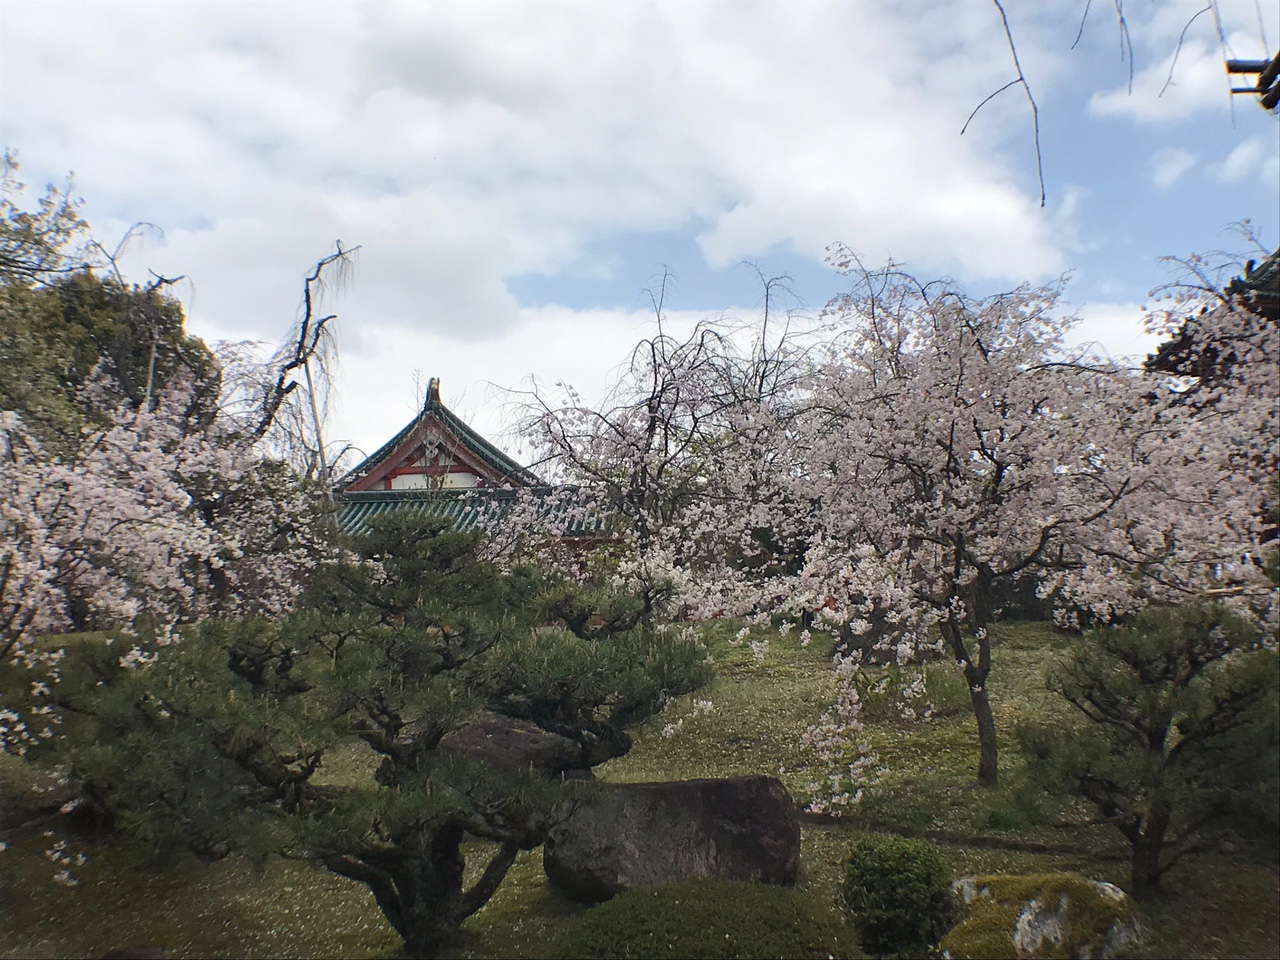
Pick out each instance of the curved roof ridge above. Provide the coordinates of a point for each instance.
(510, 470)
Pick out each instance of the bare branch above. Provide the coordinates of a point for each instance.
(112, 257)
(658, 298)
(1083, 17)
(1178, 50)
(309, 339)
(986, 100)
(1021, 79)
(1126, 42)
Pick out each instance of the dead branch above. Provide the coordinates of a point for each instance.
(308, 340)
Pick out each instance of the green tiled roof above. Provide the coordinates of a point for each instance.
(1261, 281)
(566, 510)
(510, 470)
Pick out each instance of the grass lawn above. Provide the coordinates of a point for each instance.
(1220, 904)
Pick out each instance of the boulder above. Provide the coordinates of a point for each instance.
(1044, 915)
(617, 837)
(513, 746)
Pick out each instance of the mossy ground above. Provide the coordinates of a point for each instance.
(225, 909)
(1218, 904)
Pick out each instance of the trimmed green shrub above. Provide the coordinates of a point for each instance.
(898, 893)
(711, 919)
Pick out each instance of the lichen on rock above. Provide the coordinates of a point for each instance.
(1041, 916)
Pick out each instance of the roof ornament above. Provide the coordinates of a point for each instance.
(433, 392)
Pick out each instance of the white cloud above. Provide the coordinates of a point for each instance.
(585, 349)
(1116, 330)
(1198, 83)
(462, 144)
(1178, 50)
(1169, 165)
(1254, 158)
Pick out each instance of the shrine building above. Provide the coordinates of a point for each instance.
(436, 450)
(438, 465)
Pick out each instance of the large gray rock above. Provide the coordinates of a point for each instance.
(622, 836)
(513, 746)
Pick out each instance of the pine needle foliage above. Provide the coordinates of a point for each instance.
(1180, 732)
(326, 736)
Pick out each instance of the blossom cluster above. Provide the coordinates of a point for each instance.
(885, 481)
(147, 517)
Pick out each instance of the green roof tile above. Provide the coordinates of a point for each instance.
(566, 510)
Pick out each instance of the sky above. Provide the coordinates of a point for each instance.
(517, 175)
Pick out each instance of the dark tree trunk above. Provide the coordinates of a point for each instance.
(430, 898)
(988, 770)
(418, 885)
(975, 675)
(1148, 845)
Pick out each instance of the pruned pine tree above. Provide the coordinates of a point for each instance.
(339, 733)
(1178, 735)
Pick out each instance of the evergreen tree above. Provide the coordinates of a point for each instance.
(64, 327)
(345, 733)
(83, 331)
(1182, 731)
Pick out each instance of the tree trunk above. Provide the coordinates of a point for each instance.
(326, 489)
(1148, 845)
(988, 772)
(431, 897)
(975, 675)
(418, 885)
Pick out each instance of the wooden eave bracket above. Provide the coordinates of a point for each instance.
(1267, 88)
